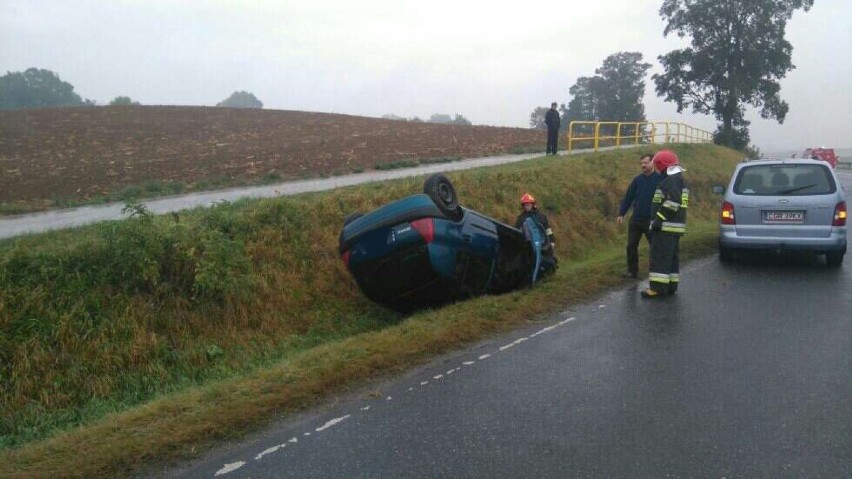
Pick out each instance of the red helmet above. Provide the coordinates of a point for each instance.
(527, 198)
(664, 159)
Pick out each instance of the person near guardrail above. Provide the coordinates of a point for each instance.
(530, 210)
(668, 222)
(551, 119)
(638, 197)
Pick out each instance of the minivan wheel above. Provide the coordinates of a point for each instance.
(835, 258)
(441, 191)
(726, 255)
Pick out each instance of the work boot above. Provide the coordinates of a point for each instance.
(651, 294)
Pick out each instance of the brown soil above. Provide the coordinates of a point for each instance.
(81, 153)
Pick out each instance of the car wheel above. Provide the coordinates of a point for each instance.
(441, 191)
(351, 217)
(726, 255)
(835, 258)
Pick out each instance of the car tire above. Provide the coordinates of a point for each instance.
(835, 258)
(441, 192)
(726, 255)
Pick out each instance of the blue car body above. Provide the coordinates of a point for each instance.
(408, 254)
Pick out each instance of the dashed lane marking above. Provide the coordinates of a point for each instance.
(227, 468)
(335, 421)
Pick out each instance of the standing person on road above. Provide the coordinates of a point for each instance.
(668, 222)
(551, 119)
(639, 195)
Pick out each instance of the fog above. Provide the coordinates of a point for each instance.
(491, 62)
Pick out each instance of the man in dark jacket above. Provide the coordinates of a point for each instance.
(668, 222)
(551, 119)
(639, 195)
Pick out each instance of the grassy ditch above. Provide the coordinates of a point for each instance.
(149, 337)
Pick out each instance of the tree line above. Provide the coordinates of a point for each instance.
(41, 88)
(736, 57)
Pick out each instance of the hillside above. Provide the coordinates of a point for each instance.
(76, 154)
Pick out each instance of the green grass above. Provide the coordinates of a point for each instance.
(246, 308)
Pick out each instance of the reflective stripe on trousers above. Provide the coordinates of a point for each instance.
(665, 268)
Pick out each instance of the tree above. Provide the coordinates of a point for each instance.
(537, 118)
(460, 120)
(123, 101)
(623, 84)
(36, 88)
(736, 57)
(614, 93)
(241, 99)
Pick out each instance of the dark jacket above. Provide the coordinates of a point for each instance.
(669, 206)
(539, 219)
(639, 195)
(551, 119)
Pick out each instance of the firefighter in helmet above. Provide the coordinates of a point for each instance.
(531, 211)
(668, 223)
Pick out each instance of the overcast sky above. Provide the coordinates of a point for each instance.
(491, 61)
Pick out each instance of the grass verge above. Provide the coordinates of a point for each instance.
(133, 338)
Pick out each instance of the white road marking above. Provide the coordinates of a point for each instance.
(334, 422)
(269, 451)
(437, 377)
(484, 356)
(423, 383)
(513, 343)
(230, 467)
(307, 434)
(365, 408)
(468, 363)
(294, 440)
(545, 330)
(572, 318)
(451, 371)
(602, 306)
(388, 398)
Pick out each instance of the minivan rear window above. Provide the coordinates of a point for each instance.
(785, 180)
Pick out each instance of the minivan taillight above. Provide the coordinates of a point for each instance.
(426, 228)
(839, 214)
(345, 257)
(728, 214)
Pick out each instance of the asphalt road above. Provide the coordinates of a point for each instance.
(747, 372)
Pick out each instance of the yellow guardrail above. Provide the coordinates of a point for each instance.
(617, 133)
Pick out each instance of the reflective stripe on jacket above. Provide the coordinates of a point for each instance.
(670, 203)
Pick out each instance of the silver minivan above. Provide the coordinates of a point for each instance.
(783, 205)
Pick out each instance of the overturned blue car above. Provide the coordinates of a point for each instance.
(426, 250)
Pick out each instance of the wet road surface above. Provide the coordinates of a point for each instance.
(747, 372)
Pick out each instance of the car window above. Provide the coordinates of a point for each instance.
(792, 180)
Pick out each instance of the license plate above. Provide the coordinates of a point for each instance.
(784, 217)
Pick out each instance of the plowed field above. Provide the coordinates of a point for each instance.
(82, 153)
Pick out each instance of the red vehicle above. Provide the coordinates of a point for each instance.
(824, 154)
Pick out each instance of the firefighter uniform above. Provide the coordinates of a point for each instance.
(668, 223)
